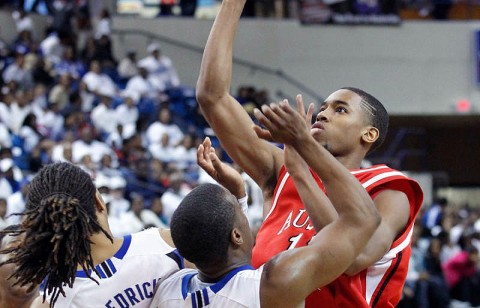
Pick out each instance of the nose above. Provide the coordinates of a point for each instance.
(321, 116)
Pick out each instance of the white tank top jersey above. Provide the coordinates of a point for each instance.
(239, 288)
(127, 279)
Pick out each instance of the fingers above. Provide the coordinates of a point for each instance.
(300, 107)
(203, 158)
(262, 133)
(216, 163)
(309, 115)
(273, 115)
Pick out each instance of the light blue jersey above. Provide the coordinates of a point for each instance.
(127, 279)
(239, 288)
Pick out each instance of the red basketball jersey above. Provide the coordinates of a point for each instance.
(287, 225)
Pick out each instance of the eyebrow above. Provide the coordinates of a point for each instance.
(335, 102)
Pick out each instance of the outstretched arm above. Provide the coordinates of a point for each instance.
(230, 122)
(291, 276)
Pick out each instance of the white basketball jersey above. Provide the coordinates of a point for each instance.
(127, 279)
(239, 288)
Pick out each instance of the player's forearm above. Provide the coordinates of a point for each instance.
(319, 208)
(216, 68)
(344, 191)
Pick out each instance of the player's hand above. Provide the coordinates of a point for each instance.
(284, 124)
(221, 172)
(294, 163)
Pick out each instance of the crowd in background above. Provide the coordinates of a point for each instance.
(134, 127)
(207, 9)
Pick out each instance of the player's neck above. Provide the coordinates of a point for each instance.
(211, 275)
(352, 161)
(102, 248)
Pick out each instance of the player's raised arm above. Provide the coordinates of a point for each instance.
(225, 115)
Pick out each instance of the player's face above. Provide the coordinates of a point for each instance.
(340, 122)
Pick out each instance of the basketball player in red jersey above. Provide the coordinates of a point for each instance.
(350, 124)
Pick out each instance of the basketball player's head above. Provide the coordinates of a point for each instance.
(209, 226)
(62, 212)
(351, 116)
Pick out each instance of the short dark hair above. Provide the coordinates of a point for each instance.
(59, 218)
(201, 225)
(378, 118)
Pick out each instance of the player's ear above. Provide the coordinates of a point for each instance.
(370, 134)
(99, 202)
(236, 237)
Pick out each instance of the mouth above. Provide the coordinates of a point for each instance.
(317, 127)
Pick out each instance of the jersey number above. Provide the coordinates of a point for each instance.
(294, 241)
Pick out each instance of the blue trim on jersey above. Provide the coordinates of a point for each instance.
(217, 286)
(127, 239)
(185, 282)
(100, 271)
(205, 297)
(82, 274)
(111, 266)
(194, 300)
(182, 260)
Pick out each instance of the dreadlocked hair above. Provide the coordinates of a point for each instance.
(59, 219)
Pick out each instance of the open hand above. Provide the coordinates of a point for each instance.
(221, 172)
(284, 124)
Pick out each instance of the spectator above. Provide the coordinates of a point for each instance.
(92, 82)
(174, 195)
(16, 71)
(185, 153)
(88, 145)
(157, 207)
(29, 133)
(42, 74)
(118, 204)
(103, 116)
(19, 109)
(127, 113)
(63, 13)
(161, 68)
(23, 22)
(142, 84)
(16, 203)
(60, 93)
(127, 68)
(163, 151)
(104, 53)
(461, 273)
(104, 25)
(69, 65)
(163, 125)
(140, 217)
(52, 45)
(434, 214)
